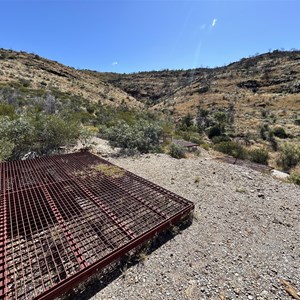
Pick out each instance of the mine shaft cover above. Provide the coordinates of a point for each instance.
(64, 217)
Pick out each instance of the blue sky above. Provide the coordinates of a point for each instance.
(142, 35)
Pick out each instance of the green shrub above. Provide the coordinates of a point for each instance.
(220, 139)
(6, 149)
(7, 110)
(52, 131)
(205, 146)
(18, 132)
(197, 152)
(260, 156)
(231, 148)
(273, 142)
(142, 136)
(213, 131)
(86, 134)
(263, 130)
(280, 132)
(177, 151)
(289, 156)
(295, 177)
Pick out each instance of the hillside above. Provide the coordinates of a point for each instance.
(259, 87)
(31, 75)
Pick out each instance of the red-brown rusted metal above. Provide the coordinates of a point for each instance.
(62, 218)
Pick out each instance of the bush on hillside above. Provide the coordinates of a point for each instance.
(177, 151)
(86, 134)
(289, 156)
(280, 132)
(295, 177)
(231, 148)
(260, 156)
(16, 132)
(142, 136)
(264, 131)
(6, 148)
(52, 131)
(220, 139)
(213, 131)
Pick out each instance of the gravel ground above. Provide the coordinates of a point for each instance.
(245, 236)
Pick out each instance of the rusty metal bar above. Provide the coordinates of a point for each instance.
(3, 229)
(61, 220)
(97, 200)
(71, 241)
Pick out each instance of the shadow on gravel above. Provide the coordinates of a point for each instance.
(103, 278)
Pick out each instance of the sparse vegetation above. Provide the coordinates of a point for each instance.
(142, 136)
(6, 148)
(289, 156)
(86, 134)
(56, 110)
(232, 148)
(177, 151)
(260, 156)
(280, 132)
(295, 177)
(110, 170)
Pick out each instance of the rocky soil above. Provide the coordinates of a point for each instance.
(245, 236)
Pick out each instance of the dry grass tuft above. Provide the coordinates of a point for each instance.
(110, 170)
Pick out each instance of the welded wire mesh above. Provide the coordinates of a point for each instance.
(62, 217)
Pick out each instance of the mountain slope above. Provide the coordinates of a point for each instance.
(24, 70)
(259, 87)
(263, 88)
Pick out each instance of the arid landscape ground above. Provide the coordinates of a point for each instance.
(243, 242)
(244, 239)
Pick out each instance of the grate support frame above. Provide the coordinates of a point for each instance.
(62, 219)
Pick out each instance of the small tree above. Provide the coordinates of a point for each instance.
(202, 119)
(263, 131)
(18, 132)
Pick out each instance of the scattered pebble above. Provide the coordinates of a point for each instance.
(233, 248)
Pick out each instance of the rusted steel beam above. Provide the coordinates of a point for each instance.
(83, 275)
(3, 233)
(71, 241)
(97, 200)
(62, 221)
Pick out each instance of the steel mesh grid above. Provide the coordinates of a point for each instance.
(61, 219)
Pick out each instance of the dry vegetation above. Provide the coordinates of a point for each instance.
(261, 93)
(260, 87)
(36, 72)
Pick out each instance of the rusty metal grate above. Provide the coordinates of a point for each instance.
(64, 217)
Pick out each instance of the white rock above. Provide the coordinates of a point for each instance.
(279, 174)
